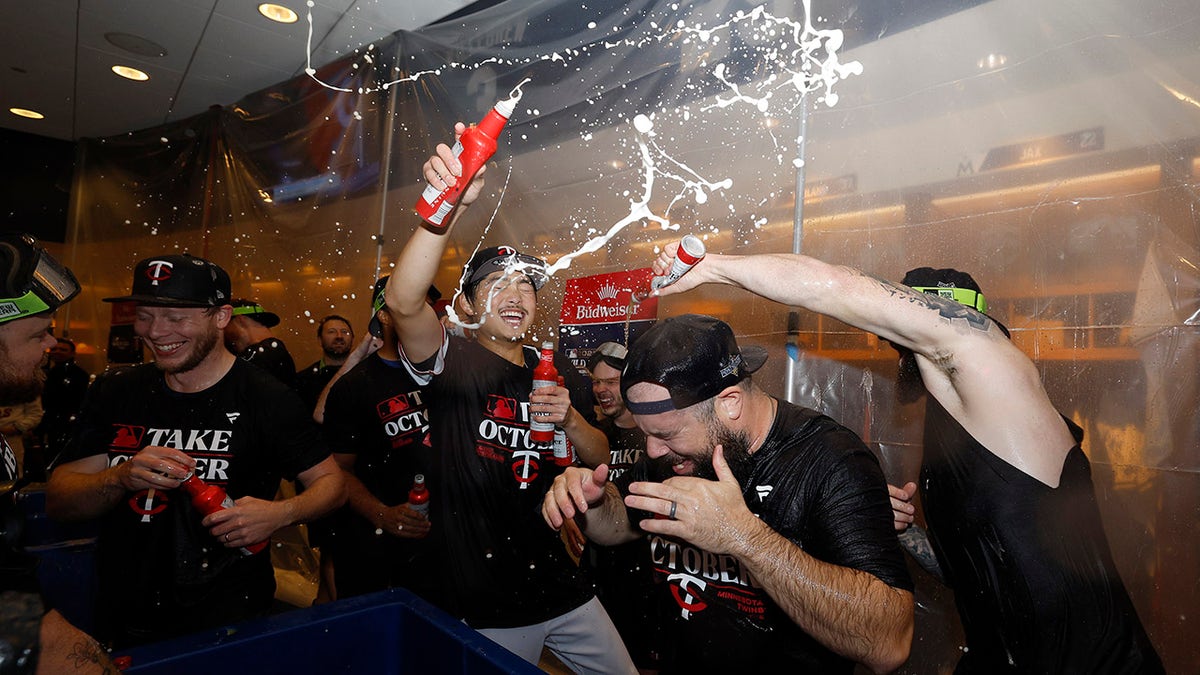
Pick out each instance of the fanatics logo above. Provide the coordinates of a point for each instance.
(158, 270)
(763, 491)
(232, 416)
(127, 436)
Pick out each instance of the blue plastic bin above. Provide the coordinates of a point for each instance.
(386, 633)
(66, 554)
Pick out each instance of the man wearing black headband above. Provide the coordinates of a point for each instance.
(505, 573)
(1007, 490)
(767, 523)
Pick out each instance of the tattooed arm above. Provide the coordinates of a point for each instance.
(966, 362)
(916, 541)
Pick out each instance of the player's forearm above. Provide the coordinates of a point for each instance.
(74, 495)
(851, 612)
(590, 443)
(320, 496)
(362, 502)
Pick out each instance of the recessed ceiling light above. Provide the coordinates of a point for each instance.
(130, 73)
(278, 13)
(992, 61)
(31, 114)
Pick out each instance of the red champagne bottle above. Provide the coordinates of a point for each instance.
(541, 434)
(418, 496)
(564, 450)
(208, 499)
(475, 147)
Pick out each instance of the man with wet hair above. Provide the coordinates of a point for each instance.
(165, 569)
(1007, 490)
(767, 523)
(504, 573)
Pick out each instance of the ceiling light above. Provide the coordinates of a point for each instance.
(130, 73)
(278, 13)
(31, 114)
(992, 61)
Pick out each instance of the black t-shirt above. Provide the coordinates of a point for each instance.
(503, 566)
(813, 482)
(311, 381)
(272, 356)
(1031, 569)
(378, 413)
(161, 573)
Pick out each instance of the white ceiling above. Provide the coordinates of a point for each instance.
(55, 59)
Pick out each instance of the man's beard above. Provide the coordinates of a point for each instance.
(735, 445)
(909, 385)
(337, 351)
(202, 347)
(16, 389)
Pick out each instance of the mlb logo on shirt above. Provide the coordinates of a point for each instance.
(127, 436)
(393, 406)
(501, 407)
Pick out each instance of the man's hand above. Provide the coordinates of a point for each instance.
(443, 170)
(693, 278)
(155, 467)
(903, 511)
(550, 404)
(249, 521)
(708, 514)
(573, 491)
(401, 521)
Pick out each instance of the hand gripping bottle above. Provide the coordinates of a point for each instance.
(476, 146)
(541, 434)
(209, 499)
(418, 496)
(691, 251)
(564, 450)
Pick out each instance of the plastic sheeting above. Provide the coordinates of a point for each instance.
(1048, 148)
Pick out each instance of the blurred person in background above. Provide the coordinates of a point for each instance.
(66, 385)
(336, 337)
(248, 335)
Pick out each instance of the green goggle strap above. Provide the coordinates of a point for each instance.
(26, 305)
(963, 296)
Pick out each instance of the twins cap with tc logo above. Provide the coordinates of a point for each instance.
(177, 281)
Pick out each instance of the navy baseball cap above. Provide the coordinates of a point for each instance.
(489, 260)
(178, 281)
(694, 356)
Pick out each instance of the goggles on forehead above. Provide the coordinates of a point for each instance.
(616, 351)
(248, 309)
(963, 296)
(41, 286)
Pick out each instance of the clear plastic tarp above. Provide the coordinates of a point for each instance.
(1050, 149)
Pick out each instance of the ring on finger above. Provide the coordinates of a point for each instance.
(674, 505)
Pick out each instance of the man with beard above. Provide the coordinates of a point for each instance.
(33, 286)
(164, 568)
(505, 574)
(337, 339)
(768, 523)
(1007, 490)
